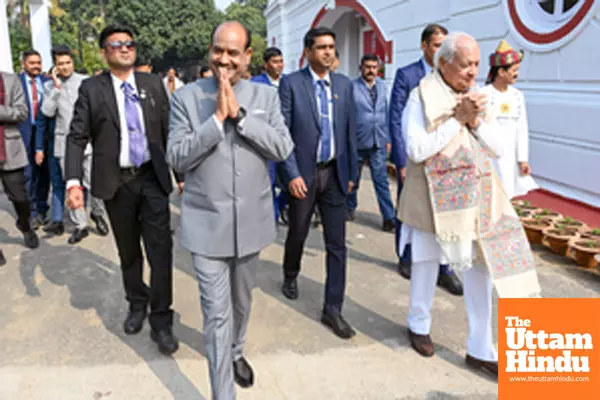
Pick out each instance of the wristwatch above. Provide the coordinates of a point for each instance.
(240, 115)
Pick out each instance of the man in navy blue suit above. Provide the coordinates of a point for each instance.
(319, 111)
(37, 177)
(407, 78)
(273, 64)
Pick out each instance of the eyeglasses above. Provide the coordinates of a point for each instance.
(118, 45)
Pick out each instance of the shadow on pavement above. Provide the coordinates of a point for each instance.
(95, 283)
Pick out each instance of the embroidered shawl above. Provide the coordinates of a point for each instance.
(469, 204)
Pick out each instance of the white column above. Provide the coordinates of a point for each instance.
(40, 30)
(5, 53)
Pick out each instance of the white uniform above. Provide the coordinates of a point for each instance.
(511, 115)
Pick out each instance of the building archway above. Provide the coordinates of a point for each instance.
(357, 33)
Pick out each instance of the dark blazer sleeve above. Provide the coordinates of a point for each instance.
(164, 120)
(79, 134)
(352, 147)
(290, 166)
(42, 125)
(398, 99)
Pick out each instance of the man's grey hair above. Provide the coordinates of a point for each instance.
(450, 45)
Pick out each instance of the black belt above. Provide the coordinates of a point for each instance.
(327, 164)
(135, 171)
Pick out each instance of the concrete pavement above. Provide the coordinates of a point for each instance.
(63, 308)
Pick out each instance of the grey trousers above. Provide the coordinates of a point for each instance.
(226, 298)
(79, 216)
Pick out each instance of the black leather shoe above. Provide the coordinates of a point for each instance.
(2, 259)
(167, 342)
(290, 288)
(101, 225)
(404, 270)
(451, 283)
(350, 215)
(55, 228)
(134, 321)
(389, 225)
(31, 239)
(78, 235)
(421, 343)
(338, 325)
(242, 373)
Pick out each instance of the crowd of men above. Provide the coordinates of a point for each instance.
(246, 153)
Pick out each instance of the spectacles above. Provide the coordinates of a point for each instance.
(118, 45)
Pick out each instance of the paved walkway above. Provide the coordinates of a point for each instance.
(63, 308)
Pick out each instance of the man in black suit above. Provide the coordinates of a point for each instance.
(322, 168)
(125, 114)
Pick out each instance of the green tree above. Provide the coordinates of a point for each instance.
(251, 15)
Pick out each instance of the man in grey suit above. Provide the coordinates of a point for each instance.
(60, 95)
(222, 133)
(13, 157)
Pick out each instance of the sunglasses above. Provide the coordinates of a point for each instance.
(118, 45)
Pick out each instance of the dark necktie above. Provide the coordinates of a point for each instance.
(137, 139)
(373, 94)
(34, 98)
(325, 124)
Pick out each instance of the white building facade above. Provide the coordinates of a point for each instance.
(560, 74)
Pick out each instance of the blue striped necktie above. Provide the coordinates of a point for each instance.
(325, 123)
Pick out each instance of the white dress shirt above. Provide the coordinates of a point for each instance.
(124, 160)
(422, 145)
(274, 83)
(327, 79)
(426, 66)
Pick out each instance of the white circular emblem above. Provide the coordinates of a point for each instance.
(544, 25)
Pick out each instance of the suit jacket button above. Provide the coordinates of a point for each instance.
(237, 173)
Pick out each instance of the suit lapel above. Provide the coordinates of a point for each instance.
(310, 94)
(145, 100)
(365, 92)
(109, 93)
(337, 106)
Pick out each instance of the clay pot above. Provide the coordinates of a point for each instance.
(558, 239)
(586, 255)
(534, 229)
(571, 223)
(547, 215)
(592, 234)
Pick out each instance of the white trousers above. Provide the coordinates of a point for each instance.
(478, 300)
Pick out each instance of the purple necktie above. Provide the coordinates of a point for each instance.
(137, 139)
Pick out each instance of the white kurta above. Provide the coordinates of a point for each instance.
(511, 116)
(426, 251)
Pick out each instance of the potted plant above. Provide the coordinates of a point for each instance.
(593, 234)
(548, 215)
(522, 213)
(526, 206)
(573, 223)
(558, 238)
(534, 227)
(584, 252)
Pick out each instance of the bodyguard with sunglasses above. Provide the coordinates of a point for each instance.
(125, 115)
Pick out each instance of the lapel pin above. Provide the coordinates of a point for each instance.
(335, 96)
(142, 94)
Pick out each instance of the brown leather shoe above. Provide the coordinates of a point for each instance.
(490, 367)
(421, 343)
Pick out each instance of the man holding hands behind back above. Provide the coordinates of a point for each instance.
(223, 131)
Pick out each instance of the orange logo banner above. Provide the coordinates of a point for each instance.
(549, 349)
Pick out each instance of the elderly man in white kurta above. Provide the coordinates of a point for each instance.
(452, 207)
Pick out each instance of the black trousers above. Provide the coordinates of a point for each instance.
(324, 192)
(140, 210)
(14, 186)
